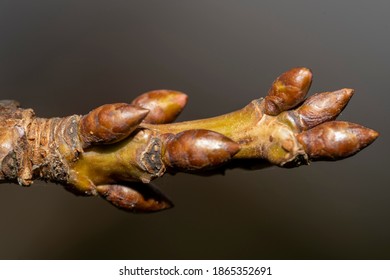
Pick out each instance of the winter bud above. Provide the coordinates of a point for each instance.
(287, 91)
(199, 149)
(110, 123)
(141, 198)
(322, 107)
(164, 105)
(335, 140)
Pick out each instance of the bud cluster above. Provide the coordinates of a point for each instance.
(115, 150)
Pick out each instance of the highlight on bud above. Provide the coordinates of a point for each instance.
(164, 105)
(336, 140)
(199, 149)
(110, 123)
(287, 91)
(322, 107)
(138, 198)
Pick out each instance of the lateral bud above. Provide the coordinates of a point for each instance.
(138, 198)
(164, 105)
(287, 91)
(198, 149)
(335, 140)
(110, 123)
(322, 107)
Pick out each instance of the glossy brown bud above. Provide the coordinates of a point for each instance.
(139, 198)
(110, 123)
(164, 105)
(322, 107)
(199, 149)
(287, 91)
(335, 140)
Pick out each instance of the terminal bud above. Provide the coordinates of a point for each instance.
(335, 140)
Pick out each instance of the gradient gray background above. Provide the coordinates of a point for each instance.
(67, 57)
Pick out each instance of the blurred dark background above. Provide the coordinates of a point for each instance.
(67, 57)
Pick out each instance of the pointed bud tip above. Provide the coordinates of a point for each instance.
(342, 96)
(132, 113)
(179, 97)
(348, 91)
(322, 107)
(345, 95)
(374, 134)
(121, 118)
(164, 105)
(110, 123)
(233, 148)
(336, 140)
(143, 198)
(364, 135)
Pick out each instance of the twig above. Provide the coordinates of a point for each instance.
(117, 149)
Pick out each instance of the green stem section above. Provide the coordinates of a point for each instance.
(239, 126)
(259, 136)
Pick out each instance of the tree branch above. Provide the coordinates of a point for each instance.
(117, 149)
